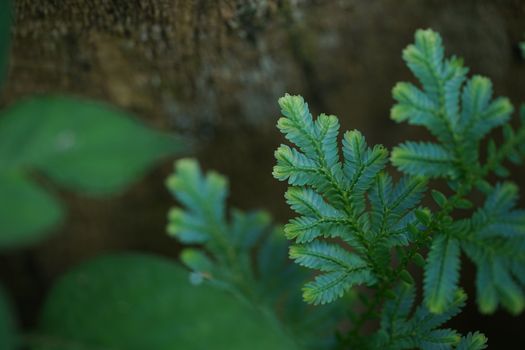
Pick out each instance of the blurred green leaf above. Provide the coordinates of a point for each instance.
(5, 33)
(134, 301)
(27, 211)
(86, 146)
(7, 331)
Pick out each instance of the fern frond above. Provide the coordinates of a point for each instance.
(441, 273)
(402, 330)
(392, 206)
(307, 202)
(318, 143)
(247, 229)
(355, 204)
(473, 341)
(330, 286)
(496, 244)
(325, 257)
(342, 200)
(361, 166)
(398, 309)
(296, 167)
(439, 339)
(318, 217)
(426, 319)
(203, 196)
(425, 60)
(203, 219)
(441, 80)
(343, 268)
(480, 114)
(244, 253)
(424, 158)
(496, 280)
(498, 218)
(458, 114)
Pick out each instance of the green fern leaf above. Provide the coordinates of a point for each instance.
(326, 257)
(510, 293)
(479, 114)
(204, 197)
(473, 341)
(487, 294)
(441, 273)
(497, 280)
(398, 309)
(392, 207)
(344, 269)
(414, 106)
(361, 167)
(424, 158)
(400, 330)
(307, 202)
(459, 115)
(426, 320)
(425, 60)
(441, 80)
(247, 229)
(297, 124)
(496, 244)
(341, 200)
(295, 166)
(331, 286)
(439, 339)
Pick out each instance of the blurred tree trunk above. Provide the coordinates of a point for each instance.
(197, 64)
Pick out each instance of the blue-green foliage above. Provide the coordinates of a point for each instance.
(460, 112)
(495, 242)
(402, 328)
(242, 252)
(441, 278)
(353, 221)
(203, 220)
(350, 199)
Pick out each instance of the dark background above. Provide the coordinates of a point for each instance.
(213, 70)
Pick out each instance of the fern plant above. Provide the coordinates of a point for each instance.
(357, 226)
(243, 253)
(360, 226)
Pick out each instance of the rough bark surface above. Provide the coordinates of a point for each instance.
(213, 70)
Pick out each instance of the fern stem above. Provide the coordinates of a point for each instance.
(389, 280)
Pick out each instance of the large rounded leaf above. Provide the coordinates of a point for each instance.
(87, 146)
(137, 302)
(27, 212)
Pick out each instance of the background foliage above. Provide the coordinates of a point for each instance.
(83, 146)
(138, 301)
